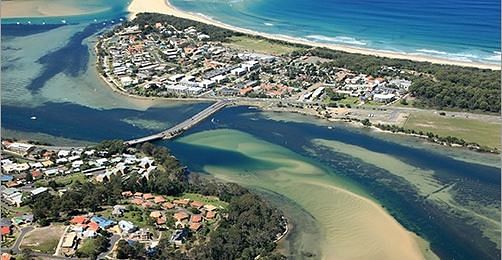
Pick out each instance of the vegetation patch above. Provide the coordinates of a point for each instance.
(262, 45)
(469, 129)
(43, 240)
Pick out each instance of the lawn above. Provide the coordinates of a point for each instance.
(469, 129)
(44, 240)
(215, 201)
(260, 45)
(64, 180)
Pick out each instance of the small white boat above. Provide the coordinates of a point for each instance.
(18, 23)
(33, 118)
(330, 127)
(63, 21)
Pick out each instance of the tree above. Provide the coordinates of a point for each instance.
(366, 122)
(28, 177)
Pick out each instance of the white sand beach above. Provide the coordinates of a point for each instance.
(43, 8)
(164, 7)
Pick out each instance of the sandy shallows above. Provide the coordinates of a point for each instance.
(352, 226)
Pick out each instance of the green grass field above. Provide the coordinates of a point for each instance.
(471, 130)
(205, 199)
(260, 45)
(64, 180)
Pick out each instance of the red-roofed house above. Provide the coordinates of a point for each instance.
(195, 226)
(36, 174)
(210, 215)
(93, 226)
(79, 220)
(180, 216)
(147, 196)
(183, 202)
(159, 199)
(137, 201)
(6, 256)
(168, 205)
(196, 218)
(197, 204)
(5, 230)
(161, 221)
(147, 204)
(127, 194)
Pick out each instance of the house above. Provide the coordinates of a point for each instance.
(147, 204)
(103, 222)
(210, 215)
(161, 221)
(180, 216)
(6, 256)
(159, 199)
(36, 174)
(118, 210)
(127, 226)
(5, 231)
(79, 220)
(147, 196)
(195, 226)
(137, 201)
(38, 191)
(127, 194)
(20, 148)
(383, 98)
(196, 218)
(197, 204)
(168, 205)
(155, 214)
(209, 207)
(138, 194)
(182, 202)
(93, 226)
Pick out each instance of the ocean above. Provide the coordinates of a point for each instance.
(48, 72)
(460, 30)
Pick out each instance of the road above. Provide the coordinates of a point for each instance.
(113, 240)
(181, 127)
(15, 248)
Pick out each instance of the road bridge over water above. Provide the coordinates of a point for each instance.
(183, 126)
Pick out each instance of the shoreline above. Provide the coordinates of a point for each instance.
(165, 7)
(41, 9)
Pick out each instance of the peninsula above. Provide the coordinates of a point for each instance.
(164, 7)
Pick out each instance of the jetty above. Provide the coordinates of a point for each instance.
(183, 126)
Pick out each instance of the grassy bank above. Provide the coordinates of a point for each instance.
(469, 129)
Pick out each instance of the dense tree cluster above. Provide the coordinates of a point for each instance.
(434, 85)
(248, 229)
(216, 33)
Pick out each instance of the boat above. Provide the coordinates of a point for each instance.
(33, 118)
(63, 21)
(330, 127)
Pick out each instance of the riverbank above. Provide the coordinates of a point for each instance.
(164, 7)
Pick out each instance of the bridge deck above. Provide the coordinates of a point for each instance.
(183, 126)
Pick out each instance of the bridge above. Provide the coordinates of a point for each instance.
(183, 126)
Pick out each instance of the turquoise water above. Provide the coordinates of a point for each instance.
(47, 72)
(455, 29)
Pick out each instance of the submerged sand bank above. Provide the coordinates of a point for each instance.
(352, 226)
(42, 8)
(164, 7)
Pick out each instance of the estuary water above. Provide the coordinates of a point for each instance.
(454, 29)
(328, 181)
